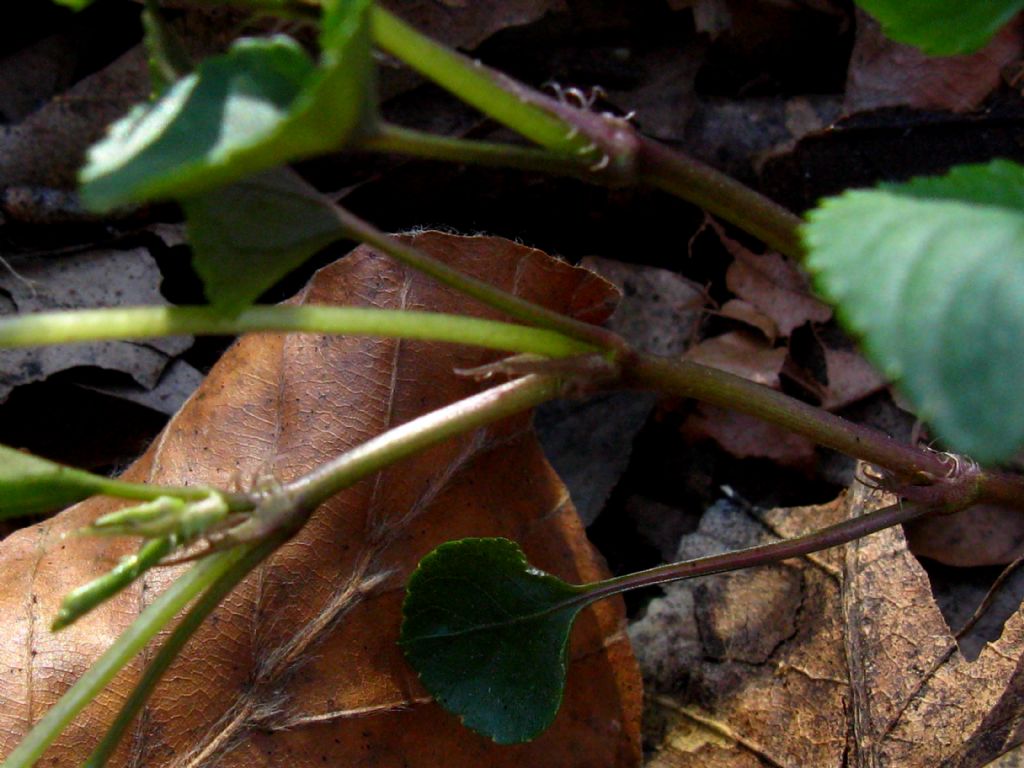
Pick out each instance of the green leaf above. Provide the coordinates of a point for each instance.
(248, 235)
(75, 5)
(931, 274)
(488, 635)
(30, 485)
(942, 27)
(261, 104)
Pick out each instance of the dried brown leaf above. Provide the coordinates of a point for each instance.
(748, 314)
(300, 665)
(884, 73)
(850, 378)
(743, 354)
(93, 278)
(746, 437)
(773, 285)
(981, 535)
(839, 659)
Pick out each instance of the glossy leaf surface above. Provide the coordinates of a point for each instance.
(262, 103)
(488, 635)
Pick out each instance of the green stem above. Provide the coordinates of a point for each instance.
(702, 185)
(910, 464)
(80, 484)
(108, 486)
(149, 322)
(470, 413)
(726, 390)
(130, 642)
(302, 496)
(203, 607)
(599, 338)
(406, 141)
(613, 151)
(86, 597)
(532, 115)
(826, 538)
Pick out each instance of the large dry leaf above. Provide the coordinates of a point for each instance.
(841, 659)
(300, 666)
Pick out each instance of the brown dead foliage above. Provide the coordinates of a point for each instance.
(838, 659)
(884, 73)
(300, 666)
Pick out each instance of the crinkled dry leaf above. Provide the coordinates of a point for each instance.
(747, 437)
(773, 285)
(300, 665)
(850, 378)
(884, 73)
(839, 659)
(94, 278)
(981, 535)
(743, 354)
(748, 314)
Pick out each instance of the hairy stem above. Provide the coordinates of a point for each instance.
(609, 149)
(376, 453)
(826, 538)
(692, 180)
(150, 322)
(726, 390)
(406, 141)
(154, 618)
(911, 464)
(515, 306)
(491, 92)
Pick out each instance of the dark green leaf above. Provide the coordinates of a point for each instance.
(931, 274)
(942, 27)
(248, 235)
(30, 485)
(261, 104)
(488, 635)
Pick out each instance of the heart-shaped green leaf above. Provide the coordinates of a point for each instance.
(931, 274)
(261, 104)
(942, 27)
(248, 235)
(488, 635)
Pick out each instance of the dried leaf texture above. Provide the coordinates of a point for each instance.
(839, 659)
(299, 666)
